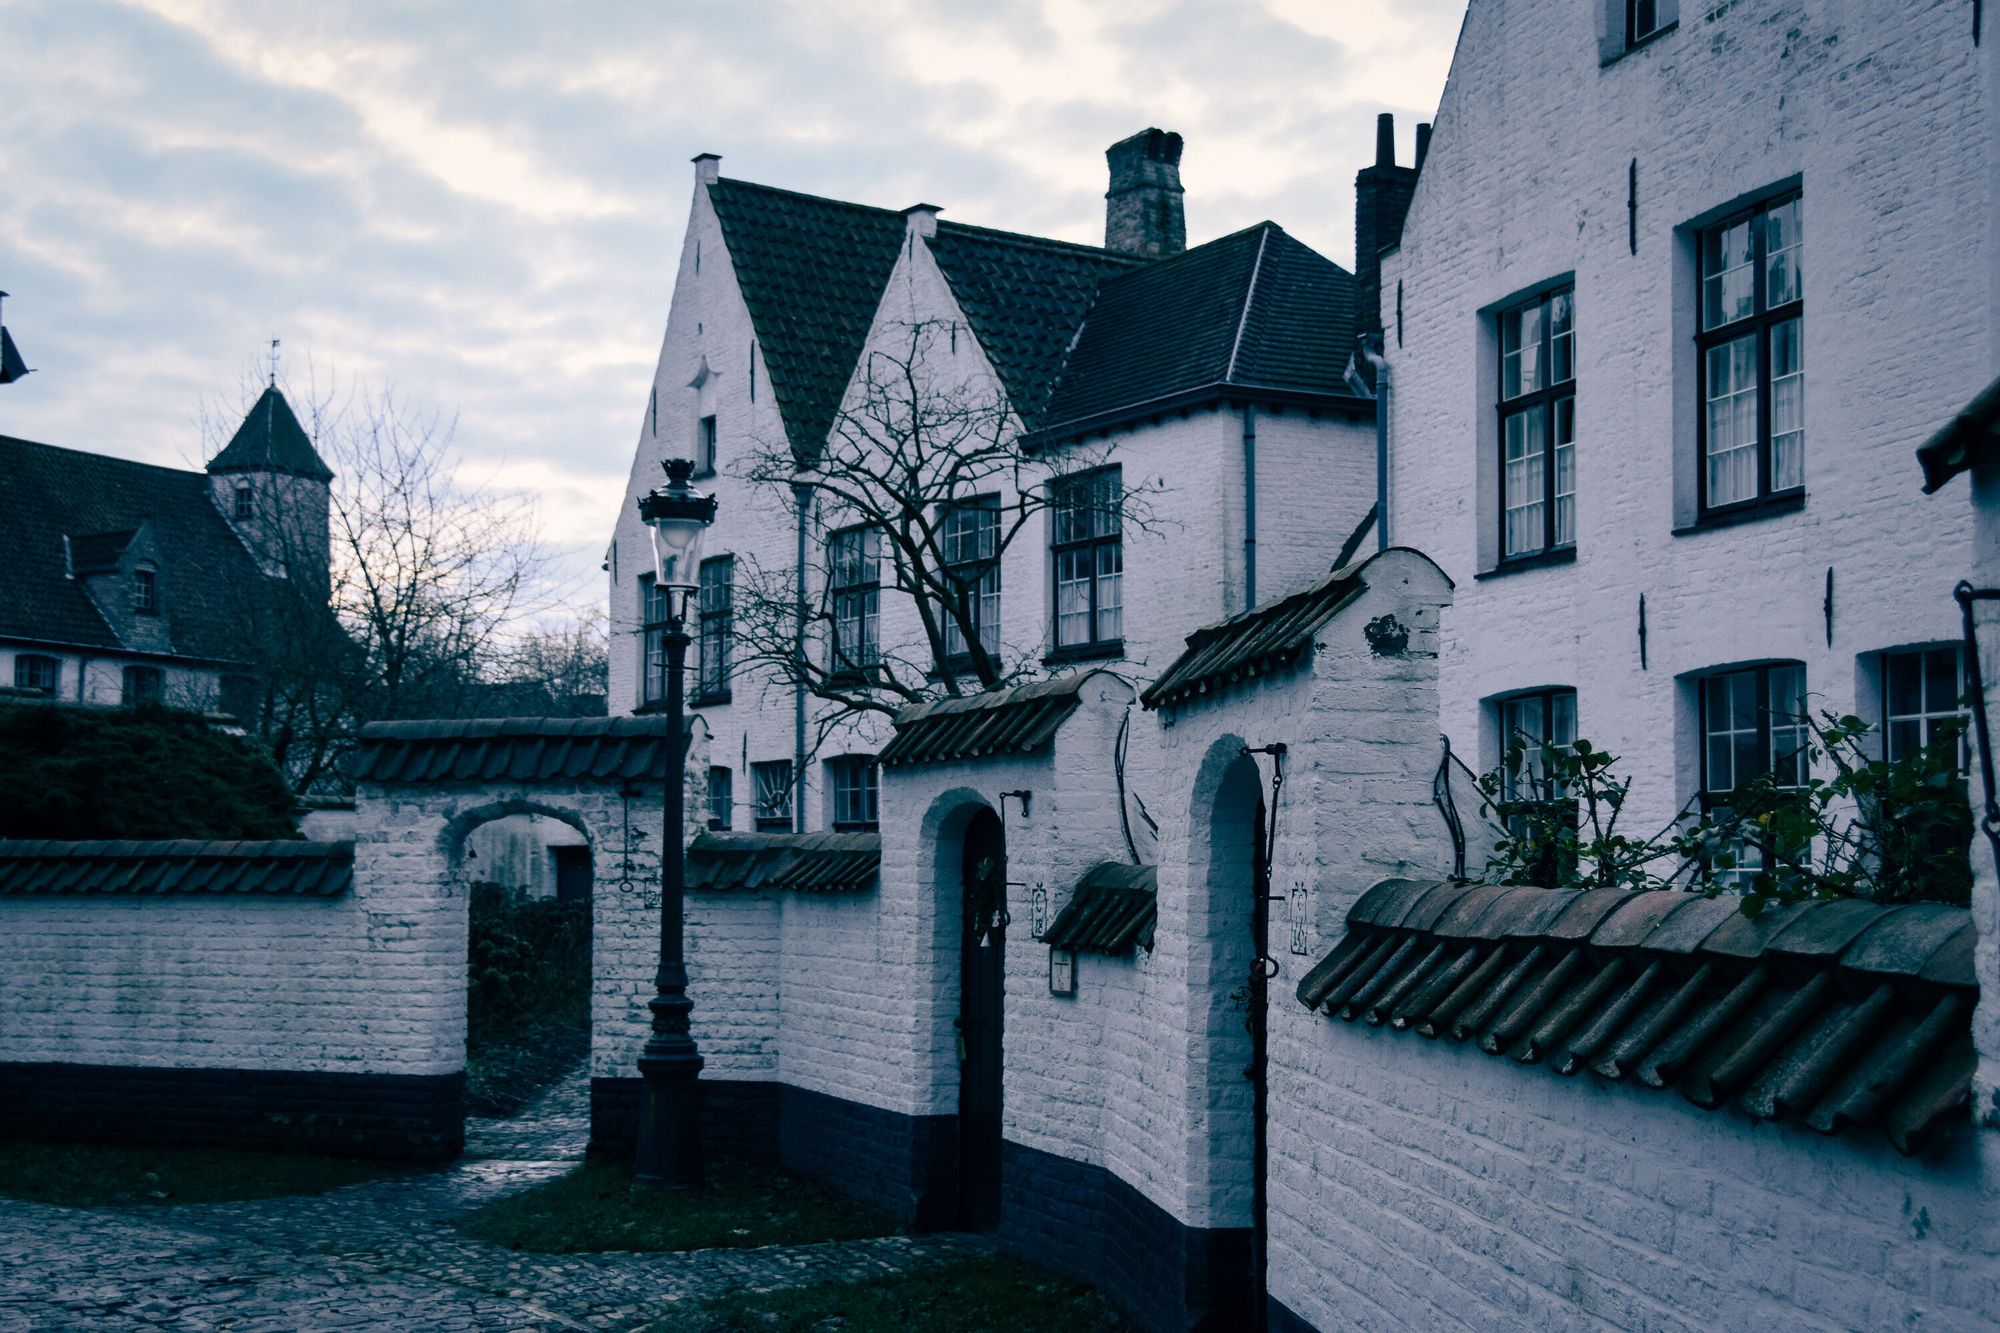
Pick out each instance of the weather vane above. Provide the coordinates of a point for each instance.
(274, 363)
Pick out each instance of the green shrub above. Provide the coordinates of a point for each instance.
(146, 772)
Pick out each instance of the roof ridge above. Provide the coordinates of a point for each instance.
(109, 458)
(1249, 299)
(1029, 239)
(801, 194)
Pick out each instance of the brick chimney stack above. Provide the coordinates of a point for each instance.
(1142, 209)
(1381, 198)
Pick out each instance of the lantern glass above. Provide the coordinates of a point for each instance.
(677, 543)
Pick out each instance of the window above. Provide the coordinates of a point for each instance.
(721, 798)
(145, 592)
(856, 793)
(971, 540)
(1538, 425)
(35, 672)
(704, 447)
(774, 795)
(1089, 549)
(718, 624)
(1543, 720)
(1753, 723)
(144, 685)
(653, 617)
(1751, 357)
(246, 501)
(1643, 18)
(854, 584)
(1921, 693)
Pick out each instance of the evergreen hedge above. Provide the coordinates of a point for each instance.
(145, 772)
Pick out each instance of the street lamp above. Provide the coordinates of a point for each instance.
(670, 1113)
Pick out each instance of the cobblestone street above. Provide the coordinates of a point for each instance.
(385, 1255)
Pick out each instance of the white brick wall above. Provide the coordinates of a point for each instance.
(1883, 116)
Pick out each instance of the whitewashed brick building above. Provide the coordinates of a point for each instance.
(1679, 289)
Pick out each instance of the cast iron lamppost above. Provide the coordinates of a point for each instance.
(670, 1112)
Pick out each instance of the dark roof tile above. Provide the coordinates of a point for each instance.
(104, 867)
(552, 749)
(1115, 906)
(798, 862)
(1018, 720)
(271, 439)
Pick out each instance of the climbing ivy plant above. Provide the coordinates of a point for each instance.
(1860, 827)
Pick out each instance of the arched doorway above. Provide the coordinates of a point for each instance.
(1230, 992)
(982, 943)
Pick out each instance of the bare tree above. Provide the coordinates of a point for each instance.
(909, 471)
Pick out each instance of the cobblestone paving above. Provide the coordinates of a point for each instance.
(385, 1255)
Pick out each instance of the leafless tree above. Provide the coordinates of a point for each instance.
(907, 456)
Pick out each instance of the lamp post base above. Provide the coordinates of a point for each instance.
(669, 1121)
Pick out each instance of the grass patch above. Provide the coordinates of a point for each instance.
(83, 1175)
(744, 1204)
(987, 1292)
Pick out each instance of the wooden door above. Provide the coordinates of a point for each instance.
(982, 945)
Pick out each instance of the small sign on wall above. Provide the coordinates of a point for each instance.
(1038, 910)
(1298, 913)
(1062, 972)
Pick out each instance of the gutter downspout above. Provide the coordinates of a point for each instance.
(1249, 505)
(1371, 348)
(801, 496)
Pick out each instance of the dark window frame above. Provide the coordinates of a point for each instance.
(246, 501)
(1660, 24)
(1762, 319)
(707, 436)
(141, 684)
(1089, 545)
(721, 798)
(1712, 799)
(1547, 697)
(654, 602)
(715, 628)
(1927, 716)
(779, 818)
(28, 666)
(855, 777)
(863, 593)
(1547, 398)
(145, 591)
(986, 566)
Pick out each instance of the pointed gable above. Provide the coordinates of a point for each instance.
(1024, 297)
(811, 271)
(271, 440)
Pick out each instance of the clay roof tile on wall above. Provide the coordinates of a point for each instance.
(112, 868)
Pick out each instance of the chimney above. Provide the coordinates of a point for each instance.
(1381, 198)
(921, 219)
(707, 168)
(1142, 209)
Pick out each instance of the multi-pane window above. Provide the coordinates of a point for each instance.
(1089, 548)
(856, 793)
(717, 611)
(1753, 724)
(653, 614)
(1751, 357)
(144, 685)
(32, 671)
(854, 584)
(1643, 18)
(773, 783)
(246, 502)
(1921, 693)
(721, 798)
(1538, 425)
(970, 536)
(704, 447)
(145, 592)
(1537, 722)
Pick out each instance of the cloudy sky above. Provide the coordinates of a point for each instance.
(481, 204)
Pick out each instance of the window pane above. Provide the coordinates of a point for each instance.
(1732, 421)
(1788, 708)
(1728, 281)
(1788, 406)
(1906, 684)
(1521, 367)
(1905, 738)
(1111, 591)
(1523, 483)
(1562, 718)
(1562, 338)
(1565, 471)
(1781, 254)
(1072, 597)
(1941, 680)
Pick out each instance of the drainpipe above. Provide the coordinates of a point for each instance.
(802, 493)
(1249, 505)
(1371, 348)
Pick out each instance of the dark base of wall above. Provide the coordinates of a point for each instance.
(905, 1165)
(1278, 1318)
(738, 1118)
(403, 1116)
(1084, 1221)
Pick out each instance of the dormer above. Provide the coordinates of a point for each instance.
(125, 575)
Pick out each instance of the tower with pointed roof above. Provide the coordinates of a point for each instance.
(276, 491)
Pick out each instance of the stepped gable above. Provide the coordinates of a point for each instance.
(1828, 1013)
(811, 271)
